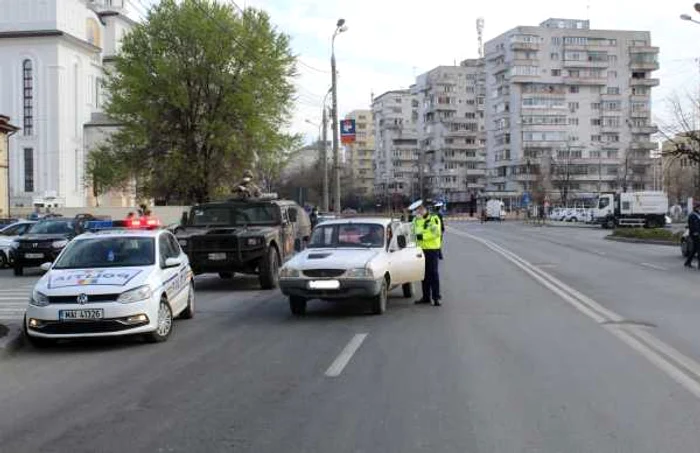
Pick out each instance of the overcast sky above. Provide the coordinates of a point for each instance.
(388, 43)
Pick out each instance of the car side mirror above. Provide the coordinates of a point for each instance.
(45, 266)
(401, 241)
(184, 219)
(292, 213)
(172, 262)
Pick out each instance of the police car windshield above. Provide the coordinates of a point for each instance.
(108, 252)
(351, 235)
(52, 227)
(234, 215)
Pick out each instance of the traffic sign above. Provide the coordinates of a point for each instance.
(347, 131)
(526, 198)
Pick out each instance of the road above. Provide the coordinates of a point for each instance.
(562, 342)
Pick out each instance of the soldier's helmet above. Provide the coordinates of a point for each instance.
(248, 174)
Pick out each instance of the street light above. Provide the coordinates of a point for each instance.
(688, 18)
(340, 27)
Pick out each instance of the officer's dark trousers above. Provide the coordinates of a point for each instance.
(695, 252)
(431, 282)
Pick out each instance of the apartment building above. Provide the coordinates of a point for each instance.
(451, 131)
(569, 107)
(359, 156)
(396, 147)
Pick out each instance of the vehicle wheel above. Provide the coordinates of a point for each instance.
(408, 290)
(3, 260)
(188, 313)
(269, 270)
(609, 224)
(164, 324)
(379, 301)
(18, 270)
(226, 275)
(297, 305)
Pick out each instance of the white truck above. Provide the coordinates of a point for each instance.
(640, 209)
(495, 210)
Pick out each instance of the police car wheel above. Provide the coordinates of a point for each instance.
(188, 313)
(408, 290)
(3, 260)
(164, 324)
(297, 305)
(379, 301)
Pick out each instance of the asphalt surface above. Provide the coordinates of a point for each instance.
(513, 362)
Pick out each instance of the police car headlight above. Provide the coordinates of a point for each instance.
(135, 295)
(39, 299)
(59, 244)
(290, 272)
(359, 273)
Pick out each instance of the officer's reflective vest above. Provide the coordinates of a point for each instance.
(431, 230)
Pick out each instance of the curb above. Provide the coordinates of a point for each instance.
(12, 340)
(642, 241)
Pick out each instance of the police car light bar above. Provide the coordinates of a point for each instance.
(143, 224)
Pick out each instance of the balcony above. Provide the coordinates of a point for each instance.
(520, 45)
(644, 49)
(644, 82)
(640, 114)
(645, 145)
(476, 172)
(650, 129)
(644, 65)
(569, 80)
(585, 64)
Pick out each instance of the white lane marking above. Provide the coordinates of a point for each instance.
(345, 355)
(653, 266)
(679, 367)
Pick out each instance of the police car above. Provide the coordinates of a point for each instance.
(112, 283)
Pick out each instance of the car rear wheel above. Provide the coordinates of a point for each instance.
(408, 290)
(3, 260)
(188, 313)
(379, 301)
(269, 270)
(297, 305)
(164, 324)
(226, 275)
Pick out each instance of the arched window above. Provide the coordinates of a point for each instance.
(28, 85)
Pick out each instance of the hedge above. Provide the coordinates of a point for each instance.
(658, 234)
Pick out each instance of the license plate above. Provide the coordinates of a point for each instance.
(324, 284)
(33, 256)
(96, 313)
(217, 256)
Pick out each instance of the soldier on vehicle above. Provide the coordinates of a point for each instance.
(428, 230)
(694, 232)
(246, 188)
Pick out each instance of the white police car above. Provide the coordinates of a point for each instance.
(112, 283)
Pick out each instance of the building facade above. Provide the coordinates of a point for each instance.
(359, 156)
(52, 57)
(568, 110)
(396, 147)
(6, 130)
(452, 142)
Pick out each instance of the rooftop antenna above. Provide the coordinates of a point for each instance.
(588, 12)
(480, 35)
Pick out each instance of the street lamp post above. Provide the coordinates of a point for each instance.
(339, 28)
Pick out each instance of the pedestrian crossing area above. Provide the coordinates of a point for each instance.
(13, 300)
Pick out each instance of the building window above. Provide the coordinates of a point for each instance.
(573, 121)
(556, 72)
(612, 59)
(595, 121)
(612, 74)
(28, 169)
(554, 56)
(28, 86)
(613, 90)
(573, 89)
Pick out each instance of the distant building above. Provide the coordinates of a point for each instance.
(53, 54)
(359, 156)
(6, 129)
(307, 158)
(562, 94)
(451, 130)
(396, 147)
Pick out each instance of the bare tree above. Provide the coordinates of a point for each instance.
(624, 170)
(563, 171)
(682, 132)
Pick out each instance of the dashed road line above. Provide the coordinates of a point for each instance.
(345, 355)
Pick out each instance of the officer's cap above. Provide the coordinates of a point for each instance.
(439, 204)
(415, 205)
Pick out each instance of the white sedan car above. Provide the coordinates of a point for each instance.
(112, 283)
(359, 258)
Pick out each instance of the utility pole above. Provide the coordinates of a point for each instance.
(324, 159)
(336, 150)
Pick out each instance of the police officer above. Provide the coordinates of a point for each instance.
(314, 217)
(694, 232)
(428, 230)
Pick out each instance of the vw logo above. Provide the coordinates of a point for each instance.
(35, 244)
(82, 299)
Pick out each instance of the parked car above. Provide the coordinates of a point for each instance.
(43, 242)
(575, 215)
(7, 235)
(354, 259)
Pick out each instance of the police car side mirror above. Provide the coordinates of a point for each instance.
(172, 262)
(45, 267)
(401, 241)
(184, 219)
